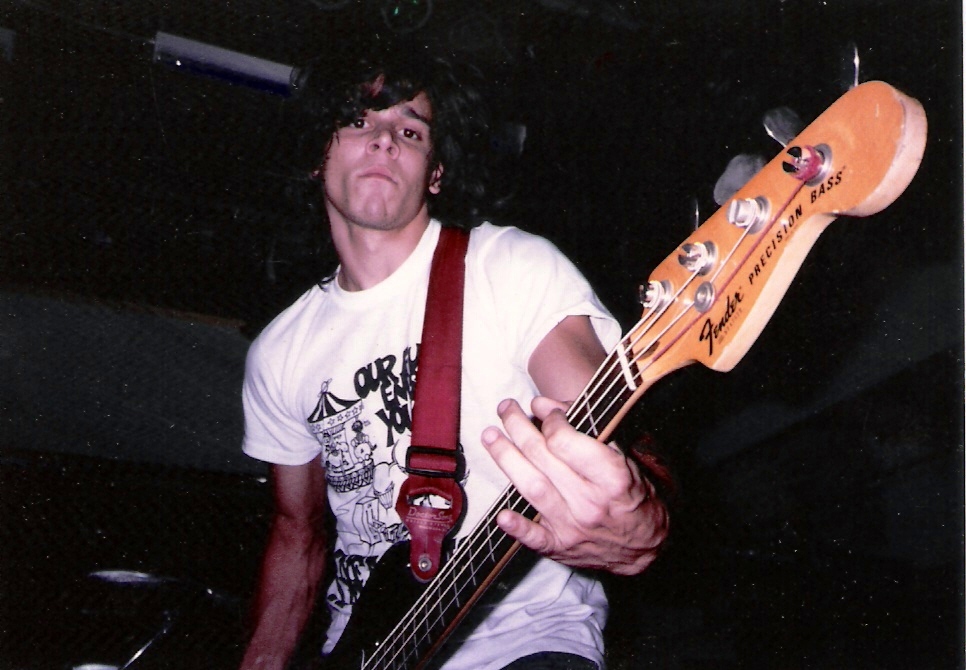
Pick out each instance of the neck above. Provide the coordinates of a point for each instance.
(367, 256)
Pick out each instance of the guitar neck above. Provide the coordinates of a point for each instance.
(481, 556)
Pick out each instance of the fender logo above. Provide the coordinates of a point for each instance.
(712, 331)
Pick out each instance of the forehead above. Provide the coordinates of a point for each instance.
(418, 109)
(372, 90)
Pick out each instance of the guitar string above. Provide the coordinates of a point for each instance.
(456, 561)
(641, 327)
(644, 329)
(465, 566)
(763, 233)
(461, 561)
(625, 346)
(585, 398)
(637, 356)
(794, 192)
(501, 503)
(488, 525)
(721, 267)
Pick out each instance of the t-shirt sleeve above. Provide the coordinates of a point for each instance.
(534, 287)
(273, 431)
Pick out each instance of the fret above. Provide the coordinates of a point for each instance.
(489, 544)
(428, 634)
(442, 612)
(402, 661)
(478, 554)
(456, 596)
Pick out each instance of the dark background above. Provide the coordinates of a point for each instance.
(148, 230)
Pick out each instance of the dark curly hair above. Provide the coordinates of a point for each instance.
(332, 95)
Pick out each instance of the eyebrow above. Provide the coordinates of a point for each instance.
(413, 114)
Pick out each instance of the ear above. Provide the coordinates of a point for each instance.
(435, 178)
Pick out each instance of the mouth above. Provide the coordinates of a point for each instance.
(378, 172)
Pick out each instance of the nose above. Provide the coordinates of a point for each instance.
(383, 138)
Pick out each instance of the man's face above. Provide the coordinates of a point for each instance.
(377, 171)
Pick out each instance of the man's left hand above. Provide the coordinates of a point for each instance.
(596, 509)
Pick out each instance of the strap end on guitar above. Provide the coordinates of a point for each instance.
(431, 508)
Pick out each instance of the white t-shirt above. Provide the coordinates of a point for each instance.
(334, 373)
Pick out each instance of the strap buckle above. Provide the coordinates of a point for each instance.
(435, 462)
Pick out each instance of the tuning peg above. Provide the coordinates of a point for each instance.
(655, 294)
(809, 164)
(782, 124)
(749, 213)
(698, 257)
(738, 172)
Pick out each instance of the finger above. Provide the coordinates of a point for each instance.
(519, 427)
(603, 465)
(532, 483)
(543, 406)
(528, 533)
(532, 442)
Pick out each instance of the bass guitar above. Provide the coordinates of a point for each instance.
(707, 302)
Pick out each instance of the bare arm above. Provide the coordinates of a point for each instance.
(566, 359)
(292, 568)
(597, 508)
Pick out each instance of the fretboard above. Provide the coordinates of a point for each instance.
(481, 556)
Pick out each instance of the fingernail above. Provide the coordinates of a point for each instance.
(489, 435)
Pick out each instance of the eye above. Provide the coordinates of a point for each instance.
(358, 123)
(411, 134)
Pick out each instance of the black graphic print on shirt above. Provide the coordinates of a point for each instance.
(364, 436)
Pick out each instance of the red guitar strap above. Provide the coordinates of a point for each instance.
(434, 461)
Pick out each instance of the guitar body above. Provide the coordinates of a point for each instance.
(390, 591)
(707, 303)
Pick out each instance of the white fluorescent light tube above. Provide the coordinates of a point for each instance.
(232, 66)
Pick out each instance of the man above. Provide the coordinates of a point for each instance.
(329, 382)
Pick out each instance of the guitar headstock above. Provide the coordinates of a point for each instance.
(708, 301)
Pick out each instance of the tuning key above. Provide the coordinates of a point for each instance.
(749, 213)
(655, 294)
(698, 257)
(808, 164)
(782, 124)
